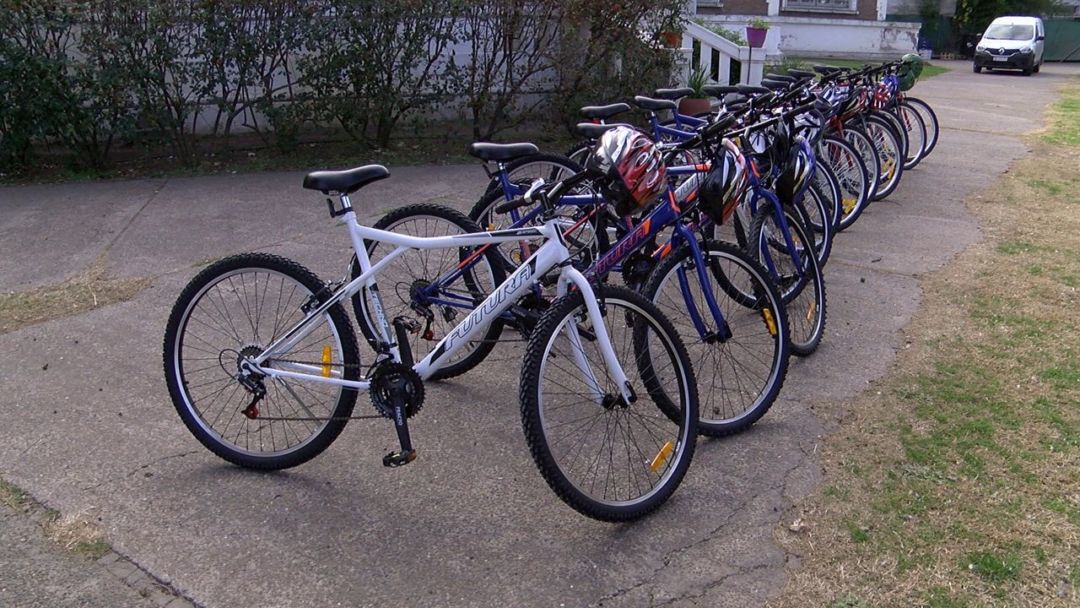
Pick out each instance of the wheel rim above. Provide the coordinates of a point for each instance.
(418, 268)
(733, 375)
(245, 310)
(625, 455)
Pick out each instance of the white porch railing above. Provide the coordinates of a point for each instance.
(715, 56)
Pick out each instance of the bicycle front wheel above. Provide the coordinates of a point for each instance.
(802, 285)
(852, 177)
(606, 458)
(232, 310)
(930, 121)
(741, 373)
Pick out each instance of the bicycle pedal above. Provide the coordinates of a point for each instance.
(398, 459)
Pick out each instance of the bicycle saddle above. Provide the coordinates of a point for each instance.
(594, 131)
(774, 85)
(500, 152)
(672, 94)
(716, 90)
(603, 112)
(347, 181)
(648, 103)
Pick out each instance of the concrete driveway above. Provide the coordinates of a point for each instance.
(88, 424)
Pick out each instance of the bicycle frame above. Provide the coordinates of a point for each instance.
(553, 253)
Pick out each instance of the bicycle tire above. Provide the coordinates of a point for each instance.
(803, 293)
(524, 169)
(930, 120)
(580, 151)
(852, 177)
(421, 267)
(828, 187)
(511, 254)
(815, 216)
(898, 129)
(915, 127)
(741, 376)
(206, 334)
(866, 149)
(657, 431)
(890, 153)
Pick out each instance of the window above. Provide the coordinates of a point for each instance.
(825, 6)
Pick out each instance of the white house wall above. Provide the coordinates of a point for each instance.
(816, 37)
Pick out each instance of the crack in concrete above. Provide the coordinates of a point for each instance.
(671, 555)
(131, 220)
(139, 468)
(711, 585)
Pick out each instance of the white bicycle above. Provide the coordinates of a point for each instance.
(263, 366)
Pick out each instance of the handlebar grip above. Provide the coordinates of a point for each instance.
(510, 205)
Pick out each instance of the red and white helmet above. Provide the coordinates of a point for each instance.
(634, 168)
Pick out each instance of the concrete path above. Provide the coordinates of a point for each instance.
(470, 523)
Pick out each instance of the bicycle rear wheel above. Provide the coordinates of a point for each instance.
(606, 458)
(740, 375)
(234, 309)
(432, 280)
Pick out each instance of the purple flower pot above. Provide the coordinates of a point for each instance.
(755, 36)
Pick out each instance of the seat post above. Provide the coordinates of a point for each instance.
(504, 179)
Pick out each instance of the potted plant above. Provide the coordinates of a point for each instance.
(697, 102)
(671, 31)
(756, 30)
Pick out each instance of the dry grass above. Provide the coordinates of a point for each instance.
(955, 481)
(77, 533)
(88, 291)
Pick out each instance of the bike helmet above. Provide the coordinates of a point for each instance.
(725, 184)
(911, 66)
(633, 167)
(796, 171)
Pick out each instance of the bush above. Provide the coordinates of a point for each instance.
(85, 74)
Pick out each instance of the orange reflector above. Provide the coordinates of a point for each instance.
(662, 456)
(326, 359)
(770, 322)
(810, 311)
(849, 205)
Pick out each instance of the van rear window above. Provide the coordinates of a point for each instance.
(1010, 32)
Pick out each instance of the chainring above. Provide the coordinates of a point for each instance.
(636, 269)
(390, 376)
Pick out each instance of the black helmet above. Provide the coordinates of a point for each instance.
(796, 172)
(725, 184)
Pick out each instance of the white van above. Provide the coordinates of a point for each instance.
(1011, 43)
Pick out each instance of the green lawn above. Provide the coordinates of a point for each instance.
(929, 70)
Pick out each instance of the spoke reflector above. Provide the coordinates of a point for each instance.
(662, 456)
(326, 360)
(810, 311)
(770, 322)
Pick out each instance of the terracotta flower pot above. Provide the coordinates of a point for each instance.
(755, 36)
(692, 106)
(672, 40)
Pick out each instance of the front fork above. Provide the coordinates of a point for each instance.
(572, 276)
(723, 330)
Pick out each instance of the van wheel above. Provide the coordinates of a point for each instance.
(975, 68)
(1036, 69)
